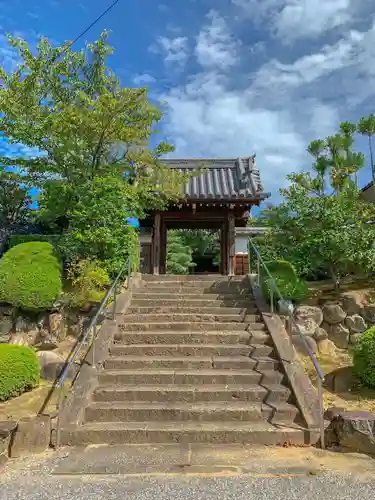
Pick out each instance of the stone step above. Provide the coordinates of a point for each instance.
(188, 350)
(190, 393)
(191, 337)
(190, 277)
(186, 326)
(182, 317)
(167, 295)
(195, 283)
(198, 309)
(212, 411)
(203, 377)
(188, 362)
(257, 433)
(194, 303)
(198, 289)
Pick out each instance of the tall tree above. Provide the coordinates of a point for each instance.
(322, 225)
(90, 131)
(366, 127)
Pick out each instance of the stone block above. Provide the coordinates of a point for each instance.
(355, 323)
(340, 380)
(33, 435)
(353, 431)
(333, 313)
(339, 334)
(57, 326)
(368, 312)
(312, 312)
(320, 334)
(326, 347)
(351, 304)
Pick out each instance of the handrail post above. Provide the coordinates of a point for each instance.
(93, 345)
(248, 258)
(271, 297)
(59, 408)
(258, 270)
(321, 413)
(114, 302)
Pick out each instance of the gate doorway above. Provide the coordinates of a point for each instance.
(192, 251)
(216, 198)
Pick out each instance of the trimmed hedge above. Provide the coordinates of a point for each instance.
(19, 370)
(286, 279)
(17, 239)
(364, 358)
(30, 276)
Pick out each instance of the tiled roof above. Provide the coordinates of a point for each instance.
(221, 179)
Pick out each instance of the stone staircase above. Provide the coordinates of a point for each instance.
(190, 362)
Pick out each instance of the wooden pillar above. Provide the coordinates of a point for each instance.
(231, 243)
(163, 247)
(224, 248)
(156, 244)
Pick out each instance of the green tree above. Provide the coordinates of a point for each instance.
(91, 133)
(14, 200)
(201, 241)
(322, 224)
(366, 127)
(179, 255)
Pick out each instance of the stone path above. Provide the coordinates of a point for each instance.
(171, 471)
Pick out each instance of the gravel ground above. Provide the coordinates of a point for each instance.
(265, 474)
(324, 487)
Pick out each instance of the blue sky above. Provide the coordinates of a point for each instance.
(236, 77)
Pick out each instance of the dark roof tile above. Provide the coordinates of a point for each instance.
(221, 179)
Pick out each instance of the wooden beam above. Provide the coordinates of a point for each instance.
(156, 244)
(231, 243)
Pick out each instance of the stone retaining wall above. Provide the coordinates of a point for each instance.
(334, 324)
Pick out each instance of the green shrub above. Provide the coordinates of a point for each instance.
(179, 255)
(19, 370)
(300, 291)
(89, 280)
(17, 239)
(283, 274)
(30, 276)
(286, 280)
(364, 358)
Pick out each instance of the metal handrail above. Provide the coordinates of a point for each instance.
(274, 288)
(91, 327)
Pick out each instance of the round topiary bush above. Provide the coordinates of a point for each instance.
(284, 275)
(19, 370)
(364, 358)
(286, 280)
(30, 276)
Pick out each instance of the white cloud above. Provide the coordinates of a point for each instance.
(174, 50)
(347, 63)
(9, 57)
(208, 119)
(143, 79)
(215, 45)
(273, 110)
(290, 20)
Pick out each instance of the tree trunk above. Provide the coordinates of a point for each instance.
(336, 279)
(371, 158)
